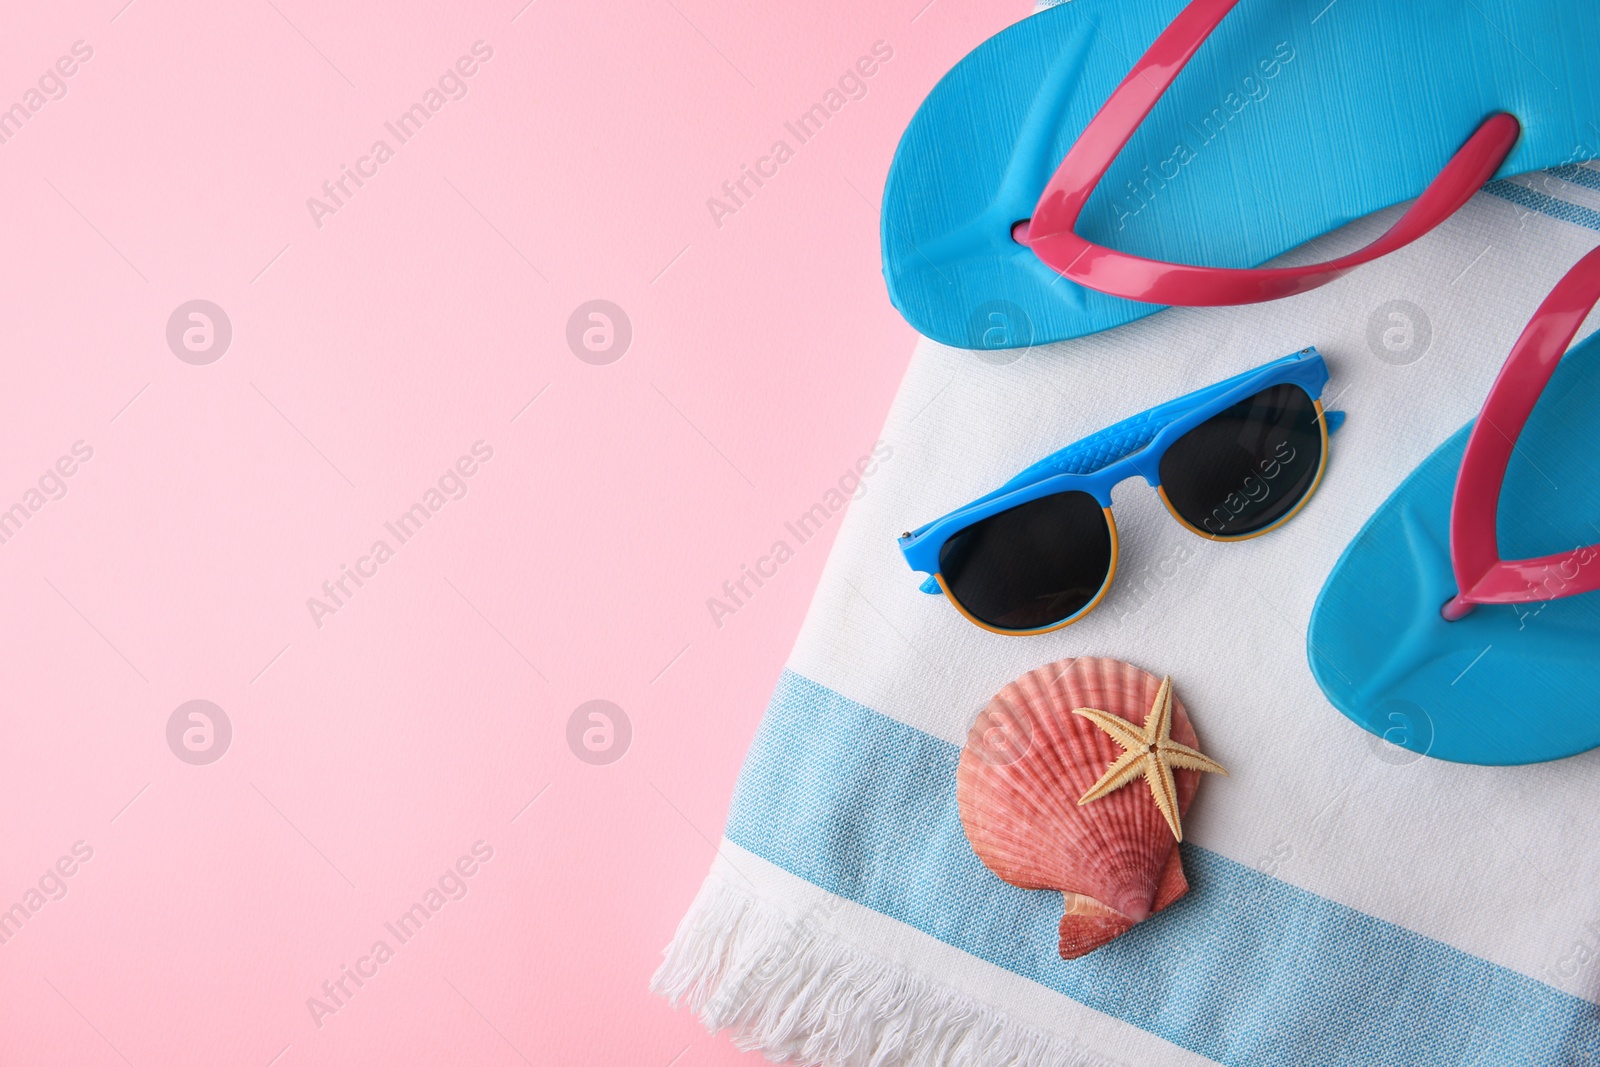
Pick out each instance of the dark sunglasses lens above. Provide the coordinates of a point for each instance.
(1246, 467)
(1030, 566)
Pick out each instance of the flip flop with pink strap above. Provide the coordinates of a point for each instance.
(1459, 622)
(1051, 185)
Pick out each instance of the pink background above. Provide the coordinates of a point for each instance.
(368, 354)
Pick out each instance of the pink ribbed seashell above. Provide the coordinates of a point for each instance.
(1027, 761)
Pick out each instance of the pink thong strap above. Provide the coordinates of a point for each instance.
(1050, 231)
(1481, 575)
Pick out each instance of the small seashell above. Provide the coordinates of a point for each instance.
(1027, 761)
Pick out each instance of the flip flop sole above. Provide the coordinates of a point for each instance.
(1292, 120)
(1507, 684)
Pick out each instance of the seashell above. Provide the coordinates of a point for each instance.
(1028, 759)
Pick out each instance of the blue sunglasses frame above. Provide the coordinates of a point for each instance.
(1131, 448)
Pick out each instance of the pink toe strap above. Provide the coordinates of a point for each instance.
(1050, 232)
(1481, 575)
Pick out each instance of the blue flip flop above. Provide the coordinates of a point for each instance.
(1435, 630)
(1249, 127)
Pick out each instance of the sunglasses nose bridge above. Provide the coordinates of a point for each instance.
(1139, 465)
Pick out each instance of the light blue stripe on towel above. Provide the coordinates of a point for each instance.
(1564, 210)
(1577, 174)
(1245, 969)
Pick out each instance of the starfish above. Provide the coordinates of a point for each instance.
(1149, 753)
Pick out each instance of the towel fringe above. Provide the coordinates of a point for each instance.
(787, 989)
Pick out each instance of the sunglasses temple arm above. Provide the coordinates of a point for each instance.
(1101, 449)
(1118, 441)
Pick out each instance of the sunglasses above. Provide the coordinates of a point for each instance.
(1232, 461)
